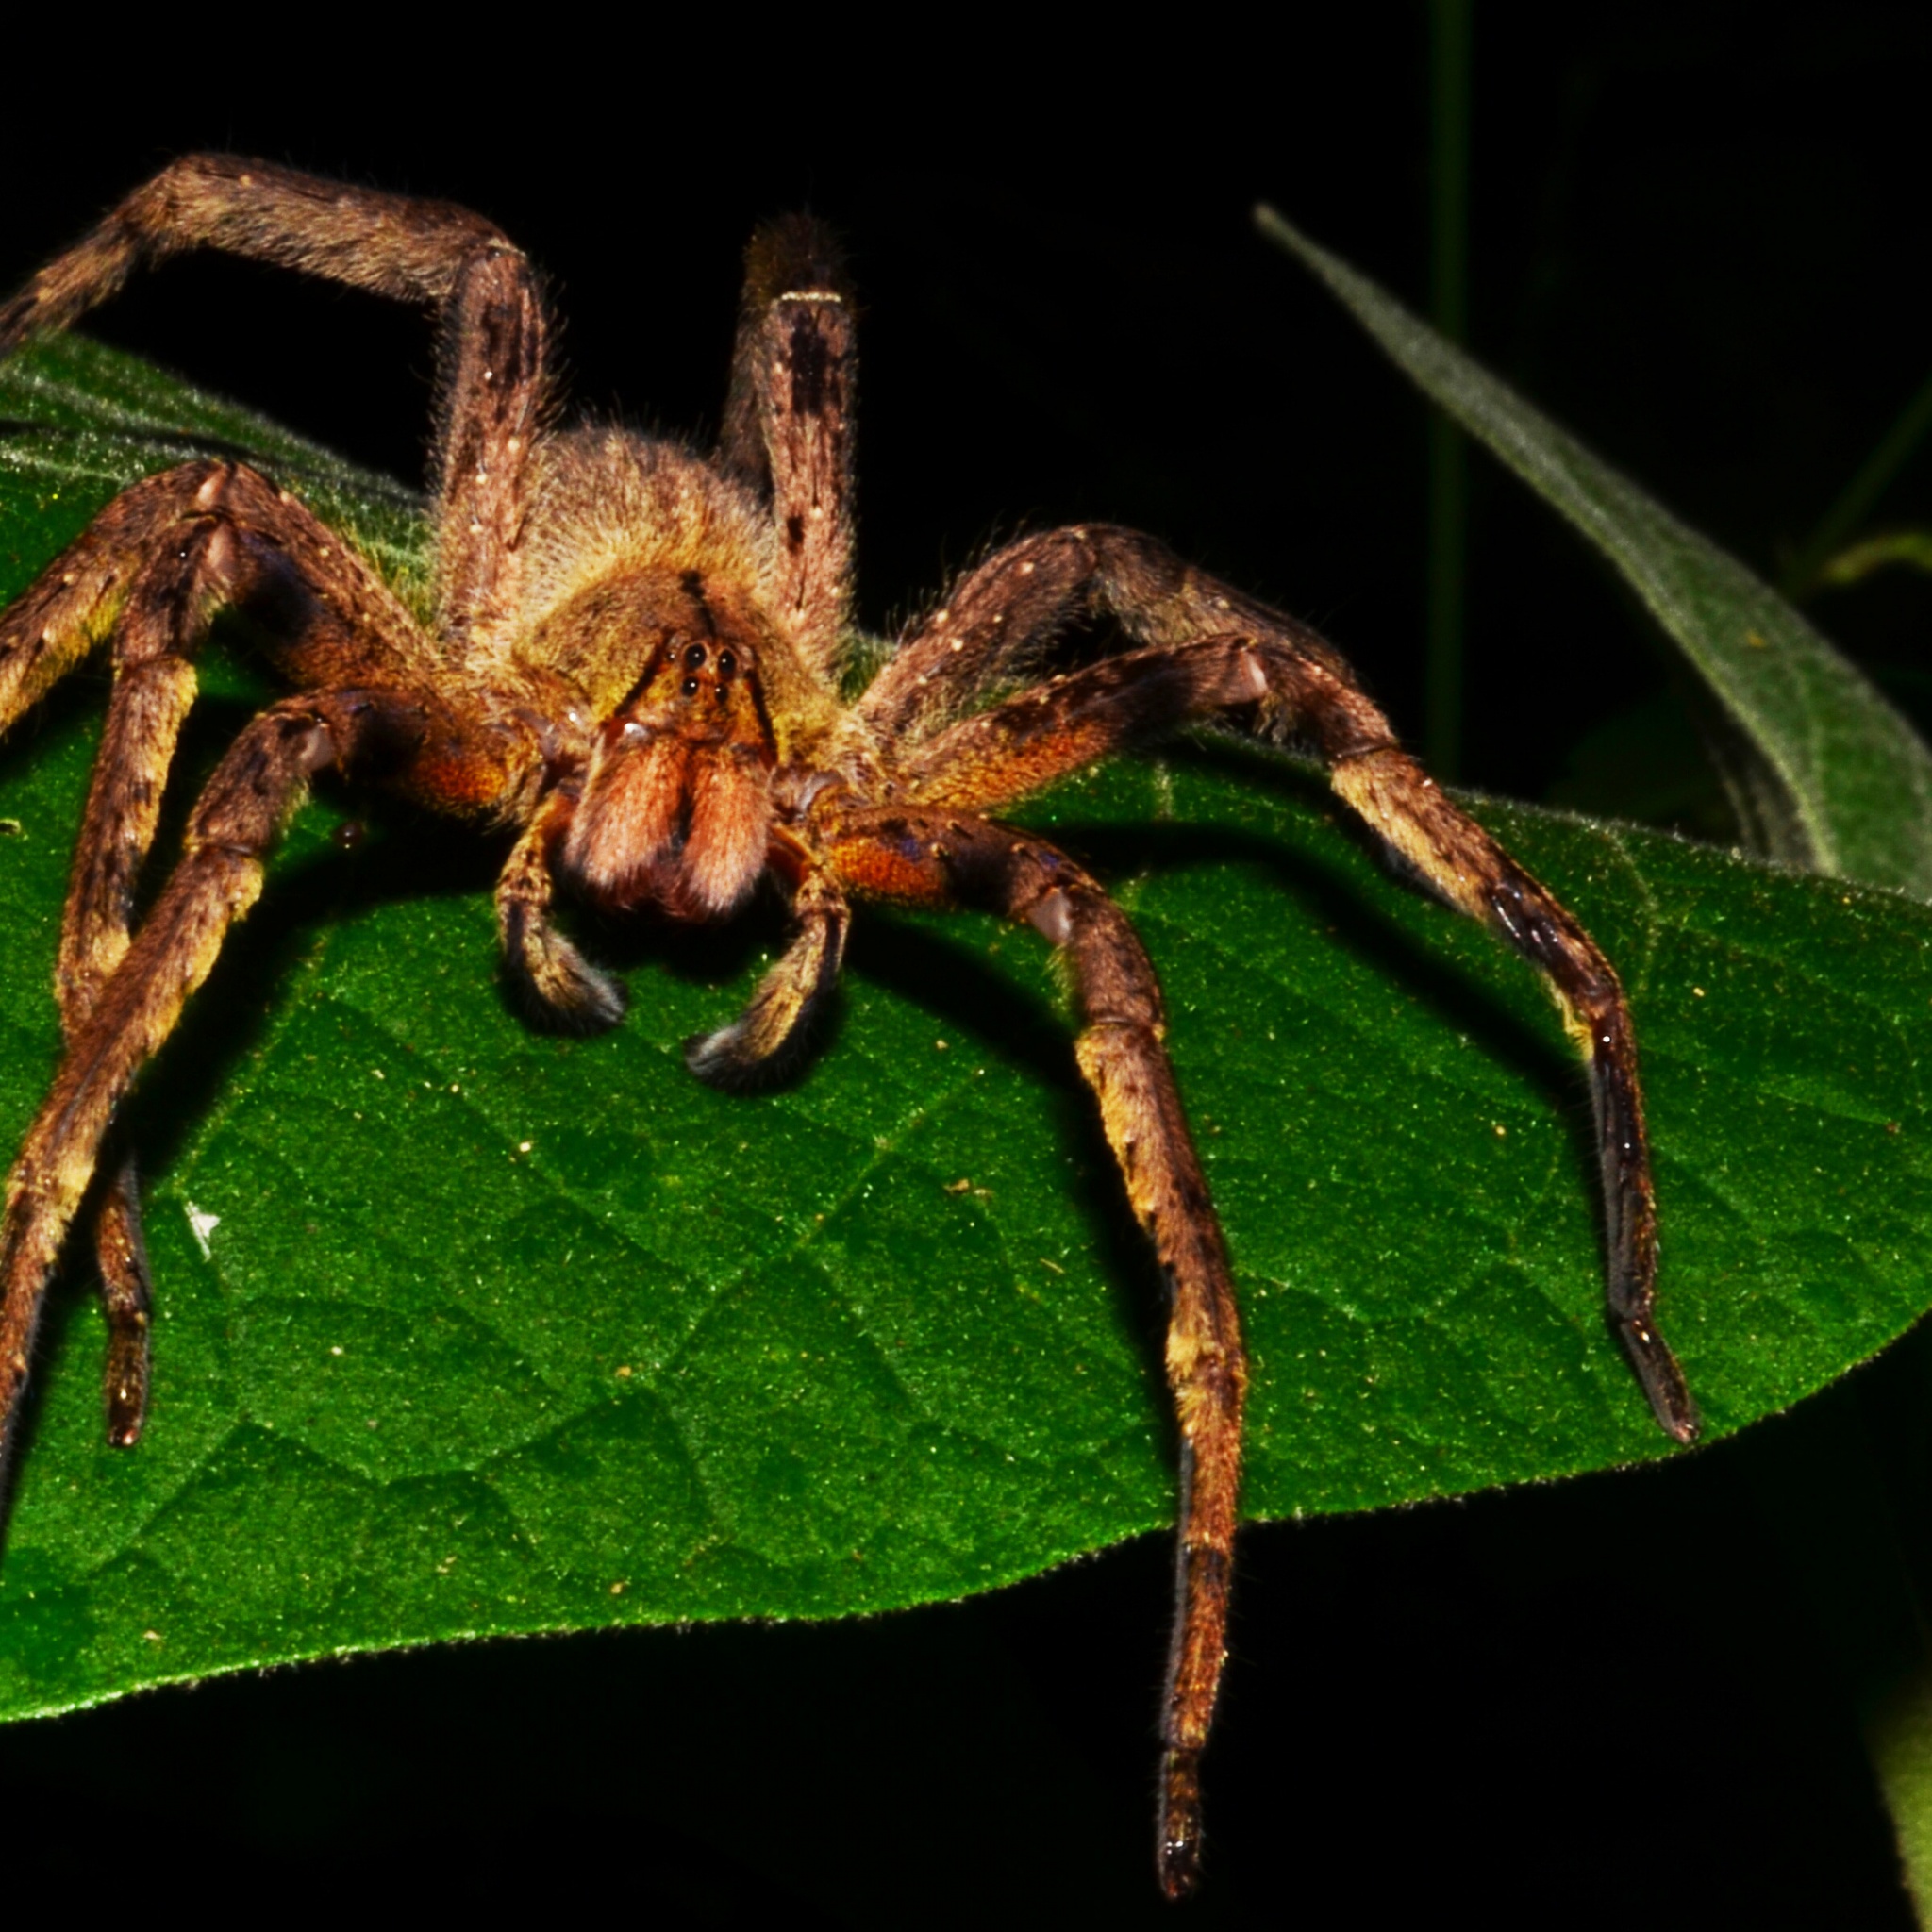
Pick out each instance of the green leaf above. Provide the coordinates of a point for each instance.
(468, 1330)
(1837, 781)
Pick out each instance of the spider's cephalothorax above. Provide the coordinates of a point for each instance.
(673, 807)
(635, 668)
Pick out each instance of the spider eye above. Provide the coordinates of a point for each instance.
(689, 687)
(727, 663)
(693, 658)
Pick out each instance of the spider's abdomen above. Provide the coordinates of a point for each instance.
(676, 800)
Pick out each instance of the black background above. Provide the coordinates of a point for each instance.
(1694, 236)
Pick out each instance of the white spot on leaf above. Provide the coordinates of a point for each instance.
(201, 1225)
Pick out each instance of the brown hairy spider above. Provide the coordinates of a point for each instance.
(635, 667)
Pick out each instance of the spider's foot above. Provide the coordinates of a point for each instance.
(1663, 1380)
(596, 1002)
(731, 1057)
(710, 1055)
(557, 988)
(1177, 1855)
(127, 1297)
(125, 1384)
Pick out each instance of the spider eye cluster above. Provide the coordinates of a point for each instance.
(676, 804)
(695, 659)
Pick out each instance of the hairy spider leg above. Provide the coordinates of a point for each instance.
(219, 878)
(146, 606)
(491, 376)
(939, 858)
(1393, 793)
(788, 432)
(557, 986)
(789, 424)
(151, 570)
(153, 692)
(1288, 682)
(151, 607)
(780, 1012)
(492, 389)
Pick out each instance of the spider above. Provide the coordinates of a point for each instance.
(635, 670)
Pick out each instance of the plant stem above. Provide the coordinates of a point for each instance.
(1801, 575)
(1449, 116)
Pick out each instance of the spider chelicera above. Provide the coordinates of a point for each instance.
(636, 668)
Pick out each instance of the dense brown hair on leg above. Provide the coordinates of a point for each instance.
(1208, 651)
(239, 815)
(153, 690)
(396, 245)
(1066, 724)
(127, 1300)
(142, 570)
(75, 603)
(790, 995)
(789, 419)
(151, 570)
(552, 981)
(492, 382)
(999, 618)
(1400, 802)
(942, 860)
(492, 397)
